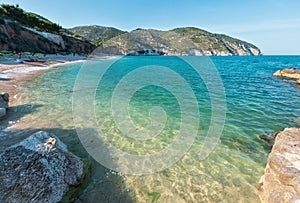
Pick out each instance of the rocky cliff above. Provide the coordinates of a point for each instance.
(24, 31)
(14, 37)
(181, 41)
(281, 181)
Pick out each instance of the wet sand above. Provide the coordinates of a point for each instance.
(14, 74)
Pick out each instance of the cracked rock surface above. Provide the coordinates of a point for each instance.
(281, 181)
(38, 169)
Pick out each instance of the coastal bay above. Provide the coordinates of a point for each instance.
(149, 101)
(257, 104)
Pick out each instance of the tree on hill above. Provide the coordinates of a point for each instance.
(28, 19)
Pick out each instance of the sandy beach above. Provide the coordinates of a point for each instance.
(13, 74)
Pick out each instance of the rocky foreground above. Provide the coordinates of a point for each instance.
(292, 73)
(281, 181)
(38, 169)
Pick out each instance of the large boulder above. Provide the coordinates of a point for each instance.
(288, 73)
(4, 99)
(38, 169)
(281, 181)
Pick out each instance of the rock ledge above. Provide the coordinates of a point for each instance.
(289, 73)
(281, 181)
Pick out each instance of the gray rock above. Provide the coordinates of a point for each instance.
(281, 181)
(2, 112)
(4, 99)
(269, 138)
(38, 169)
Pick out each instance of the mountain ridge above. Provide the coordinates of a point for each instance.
(96, 34)
(26, 31)
(181, 41)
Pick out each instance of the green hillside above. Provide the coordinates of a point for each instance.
(181, 41)
(15, 35)
(95, 34)
(28, 19)
(84, 39)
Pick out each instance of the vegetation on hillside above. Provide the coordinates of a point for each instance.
(210, 41)
(14, 37)
(83, 39)
(181, 41)
(95, 34)
(28, 19)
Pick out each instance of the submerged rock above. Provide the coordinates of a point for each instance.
(269, 138)
(38, 169)
(281, 181)
(288, 73)
(4, 99)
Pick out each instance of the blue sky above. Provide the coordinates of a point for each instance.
(272, 25)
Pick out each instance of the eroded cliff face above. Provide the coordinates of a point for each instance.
(14, 37)
(233, 49)
(281, 181)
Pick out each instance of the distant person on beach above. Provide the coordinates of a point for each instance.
(19, 60)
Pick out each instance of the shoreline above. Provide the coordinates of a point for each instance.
(14, 129)
(25, 73)
(14, 74)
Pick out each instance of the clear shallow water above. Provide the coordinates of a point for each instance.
(256, 103)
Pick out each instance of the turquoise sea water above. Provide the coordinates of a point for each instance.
(256, 102)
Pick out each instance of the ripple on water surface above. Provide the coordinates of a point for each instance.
(256, 103)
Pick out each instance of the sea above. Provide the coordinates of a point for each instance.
(165, 128)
